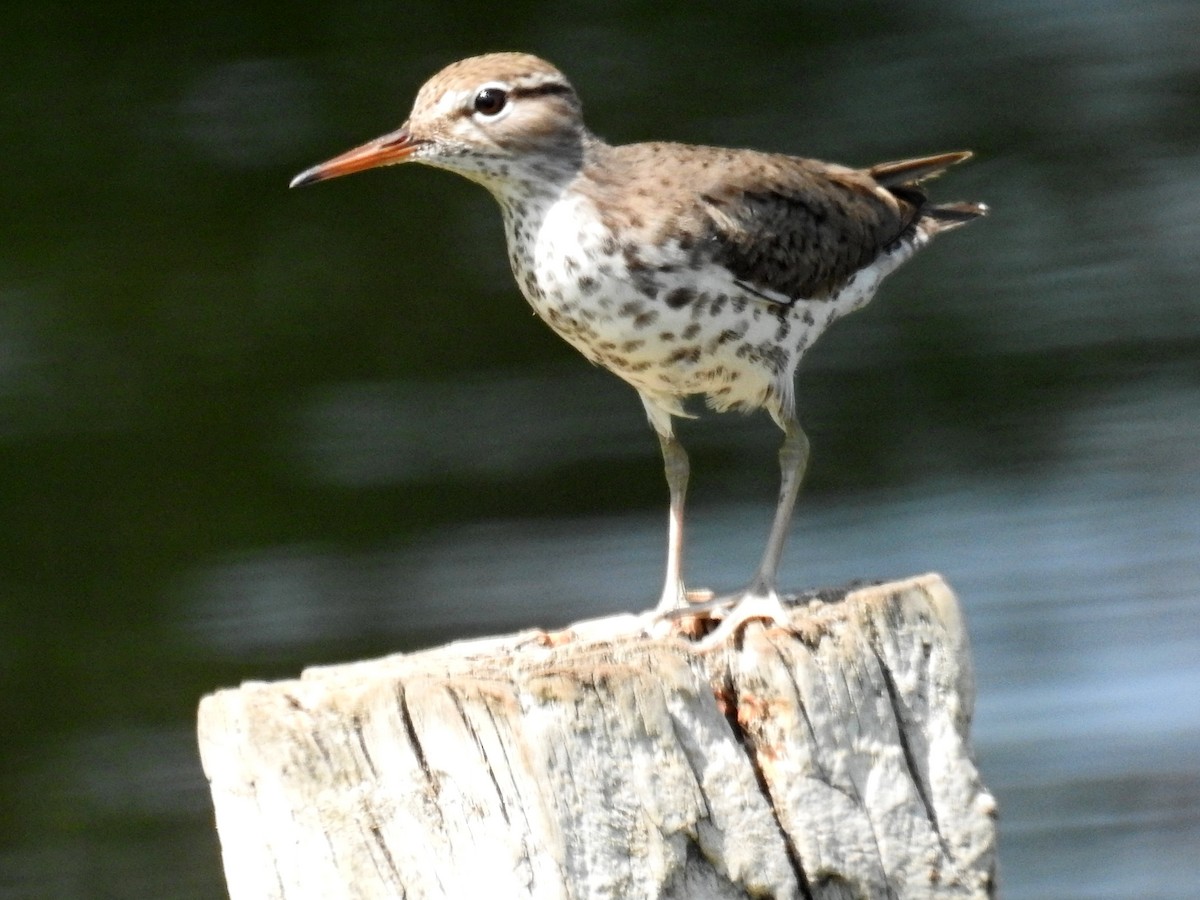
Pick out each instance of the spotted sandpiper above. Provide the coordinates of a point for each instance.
(682, 269)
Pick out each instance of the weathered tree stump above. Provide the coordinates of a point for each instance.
(829, 762)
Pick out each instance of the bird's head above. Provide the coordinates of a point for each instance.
(503, 120)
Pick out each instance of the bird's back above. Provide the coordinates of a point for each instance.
(790, 227)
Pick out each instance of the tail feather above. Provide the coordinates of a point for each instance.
(957, 213)
(903, 179)
(913, 171)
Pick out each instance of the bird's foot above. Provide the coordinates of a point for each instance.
(731, 612)
(739, 610)
(676, 606)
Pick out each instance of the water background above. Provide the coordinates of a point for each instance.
(245, 430)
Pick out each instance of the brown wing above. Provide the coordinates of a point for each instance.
(800, 229)
(786, 228)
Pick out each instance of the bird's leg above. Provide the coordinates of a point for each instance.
(760, 598)
(675, 462)
(793, 460)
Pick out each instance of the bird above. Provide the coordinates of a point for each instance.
(687, 271)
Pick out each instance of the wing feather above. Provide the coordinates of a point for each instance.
(786, 228)
(803, 236)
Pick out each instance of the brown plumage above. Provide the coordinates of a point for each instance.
(783, 225)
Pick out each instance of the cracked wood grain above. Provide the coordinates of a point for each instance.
(831, 760)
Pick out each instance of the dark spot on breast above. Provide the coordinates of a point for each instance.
(728, 336)
(571, 265)
(644, 282)
(666, 337)
(690, 354)
(630, 346)
(588, 284)
(645, 319)
(679, 297)
(691, 331)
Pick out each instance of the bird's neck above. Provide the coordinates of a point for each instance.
(539, 178)
(547, 213)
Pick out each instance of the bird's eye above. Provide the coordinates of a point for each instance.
(490, 101)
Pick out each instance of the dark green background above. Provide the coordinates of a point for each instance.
(244, 430)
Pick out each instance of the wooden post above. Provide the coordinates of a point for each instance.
(596, 762)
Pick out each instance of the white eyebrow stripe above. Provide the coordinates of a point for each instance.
(452, 102)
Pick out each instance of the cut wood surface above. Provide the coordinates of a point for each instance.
(831, 761)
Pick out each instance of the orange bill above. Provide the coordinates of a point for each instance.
(383, 151)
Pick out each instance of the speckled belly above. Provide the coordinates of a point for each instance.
(672, 331)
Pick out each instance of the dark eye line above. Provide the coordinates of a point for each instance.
(548, 89)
